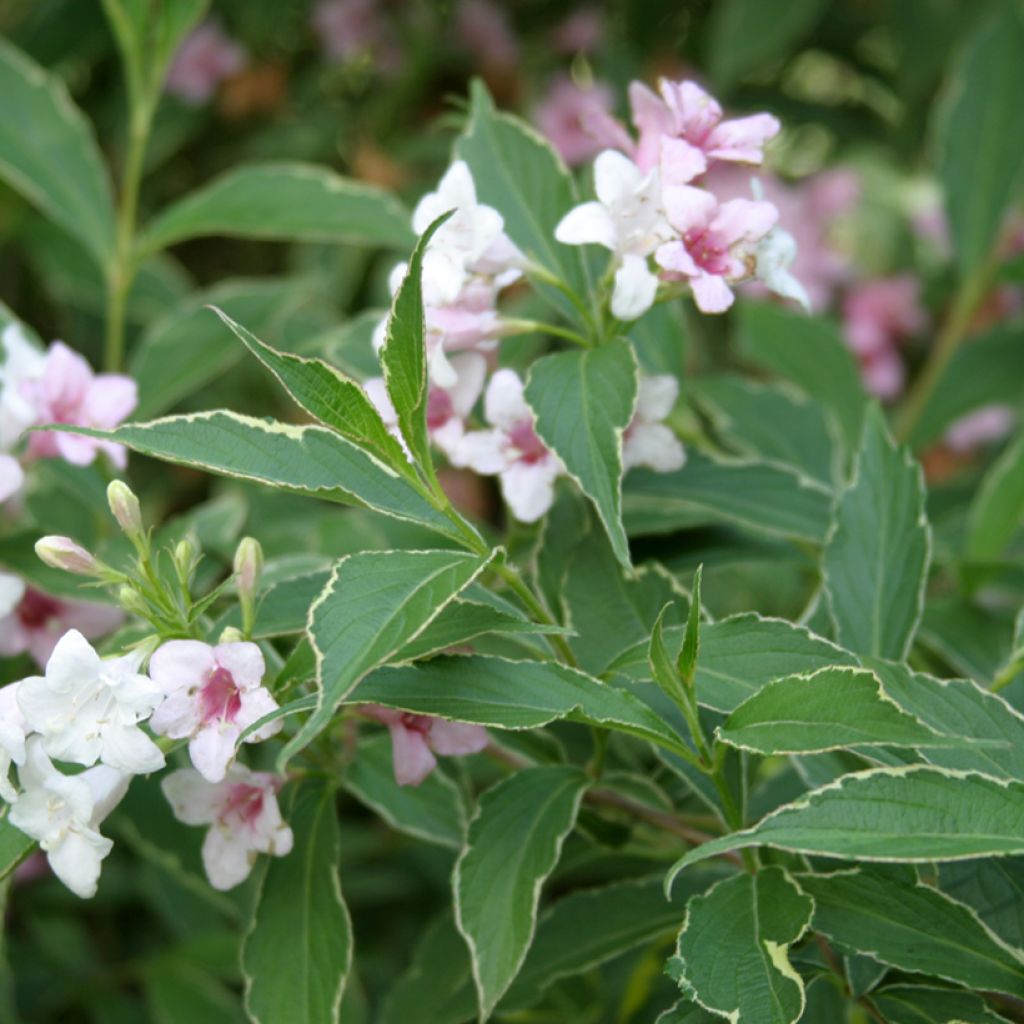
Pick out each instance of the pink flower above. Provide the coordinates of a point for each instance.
(34, 621)
(984, 425)
(881, 312)
(715, 244)
(205, 59)
(243, 816)
(578, 121)
(69, 392)
(484, 30)
(883, 373)
(685, 119)
(211, 695)
(582, 31)
(416, 738)
(349, 29)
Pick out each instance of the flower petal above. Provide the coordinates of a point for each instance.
(410, 756)
(587, 224)
(212, 749)
(244, 660)
(711, 293)
(454, 738)
(181, 664)
(193, 800)
(635, 288)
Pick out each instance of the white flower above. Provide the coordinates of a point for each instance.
(512, 450)
(243, 816)
(212, 694)
(627, 219)
(22, 361)
(63, 813)
(647, 441)
(13, 729)
(88, 709)
(774, 256)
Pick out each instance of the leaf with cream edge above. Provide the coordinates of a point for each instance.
(924, 1004)
(732, 953)
(329, 396)
(582, 402)
(875, 562)
(894, 919)
(505, 694)
(830, 709)
(49, 154)
(286, 202)
(404, 355)
(297, 952)
(373, 604)
(916, 814)
(307, 460)
(513, 845)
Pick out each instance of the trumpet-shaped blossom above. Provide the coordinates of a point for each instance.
(206, 58)
(22, 362)
(69, 392)
(63, 814)
(879, 313)
(511, 450)
(211, 695)
(626, 218)
(415, 739)
(647, 441)
(716, 244)
(13, 730)
(33, 621)
(88, 709)
(683, 129)
(578, 121)
(243, 816)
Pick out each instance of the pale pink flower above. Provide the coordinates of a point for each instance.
(582, 31)
(983, 426)
(349, 29)
(68, 392)
(647, 441)
(415, 739)
(881, 312)
(243, 815)
(716, 243)
(511, 450)
(211, 695)
(685, 124)
(484, 30)
(578, 121)
(35, 621)
(206, 58)
(883, 374)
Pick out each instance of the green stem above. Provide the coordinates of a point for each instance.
(1007, 674)
(529, 326)
(536, 609)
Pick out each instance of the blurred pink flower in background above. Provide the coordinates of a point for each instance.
(582, 31)
(484, 30)
(206, 58)
(348, 29)
(578, 121)
(983, 426)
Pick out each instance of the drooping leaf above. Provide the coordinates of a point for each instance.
(997, 509)
(511, 695)
(981, 135)
(920, 1004)
(915, 814)
(513, 845)
(732, 954)
(890, 917)
(373, 604)
(298, 950)
(48, 153)
(876, 561)
(286, 201)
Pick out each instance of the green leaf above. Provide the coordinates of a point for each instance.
(431, 811)
(981, 135)
(732, 954)
(284, 201)
(308, 460)
(404, 355)
(894, 919)
(994, 888)
(915, 814)
(663, 669)
(582, 402)
(810, 352)
(690, 651)
(516, 171)
(760, 497)
(875, 564)
(298, 950)
(188, 348)
(373, 604)
(176, 990)
(328, 395)
(513, 845)
(919, 1004)
(997, 509)
(508, 694)
(827, 710)
(14, 846)
(48, 153)
(746, 34)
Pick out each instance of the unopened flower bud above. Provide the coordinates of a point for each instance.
(125, 508)
(230, 635)
(248, 566)
(133, 602)
(63, 553)
(184, 554)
